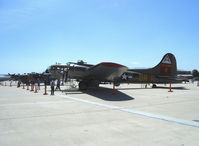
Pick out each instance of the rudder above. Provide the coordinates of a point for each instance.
(167, 66)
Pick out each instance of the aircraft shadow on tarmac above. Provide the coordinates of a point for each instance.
(158, 87)
(103, 93)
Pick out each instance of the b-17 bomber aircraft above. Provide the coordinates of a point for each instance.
(108, 72)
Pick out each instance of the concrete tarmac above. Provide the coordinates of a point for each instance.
(131, 115)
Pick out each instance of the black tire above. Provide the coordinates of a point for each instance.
(93, 84)
(83, 85)
(154, 86)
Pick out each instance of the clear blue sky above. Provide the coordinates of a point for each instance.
(37, 33)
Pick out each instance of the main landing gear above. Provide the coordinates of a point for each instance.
(83, 85)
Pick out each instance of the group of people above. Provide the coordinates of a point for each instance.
(36, 84)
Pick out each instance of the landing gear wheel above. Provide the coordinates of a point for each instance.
(154, 86)
(83, 85)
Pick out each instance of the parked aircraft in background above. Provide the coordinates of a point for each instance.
(4, 78)
(30, 77)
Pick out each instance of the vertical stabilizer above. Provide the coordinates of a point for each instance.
(167, 66)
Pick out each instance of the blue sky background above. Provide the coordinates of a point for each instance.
(37, 33)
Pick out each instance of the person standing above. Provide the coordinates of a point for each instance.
(58, 85)
(52, 85)
(38, 83)
(19, 84)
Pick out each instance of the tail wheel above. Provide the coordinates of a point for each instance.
(154, 86)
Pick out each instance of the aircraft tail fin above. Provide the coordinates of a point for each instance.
(167, 66)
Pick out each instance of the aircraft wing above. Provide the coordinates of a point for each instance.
(107, 71)
(102, 72)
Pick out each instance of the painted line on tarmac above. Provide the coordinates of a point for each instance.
(132, 111)
(30, 103)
